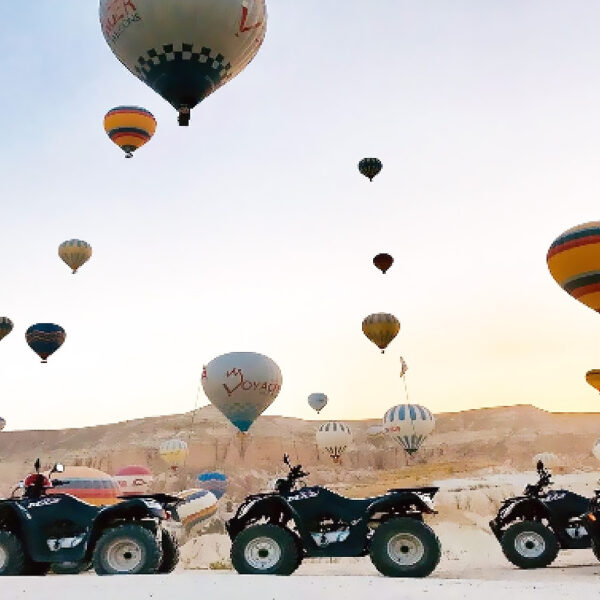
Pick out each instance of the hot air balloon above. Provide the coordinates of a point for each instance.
(574, 262)
(75, 253)
(317, 401)
(381, 329)
(129, 127)
(593, 378)
(334, 437)
(134, 479)
(214, 482)
(242, 385)
(403, 367)
(45, 339)
(197, 506)
(370, 167)
(6, 326)
(184, 50)
(596, 450)
(548, 458)
(174, 452)
(91, 485)
(2, 423)
(408, 425)
(383, 262)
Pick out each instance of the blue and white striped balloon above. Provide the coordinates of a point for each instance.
(408, 425)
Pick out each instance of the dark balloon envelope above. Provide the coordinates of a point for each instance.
(383, 262)
(45, 339)
(370, 167)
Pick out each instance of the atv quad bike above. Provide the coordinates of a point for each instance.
(38, 531)
(273, 532)
(532, 528)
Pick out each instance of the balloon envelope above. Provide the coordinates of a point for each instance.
(593, 378)
(75, 253)
(129, 127)
(90, 485)
(6, 326)
(334, 437)
(45, 339)
(383, 262)
(2, 423)
(134, 479)
(381, 329)
(187, 49)
(197, 506)
(214, 482)
(408, 425)
(317, 401)
(370, 167)
(242, 385)
(574, 263)
(174, 452)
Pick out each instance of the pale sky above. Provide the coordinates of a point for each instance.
(251, 230)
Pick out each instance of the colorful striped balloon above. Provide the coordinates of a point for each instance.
(6, 326)
(197, 506)
(574, 262)
(408, 425)
(134, 479)
(90, 485)
(129, 127)
(45, 339)
(214, 482)
(75, 253)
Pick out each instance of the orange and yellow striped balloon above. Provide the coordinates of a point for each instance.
(574, 262)
(129, 127)
(593, 378)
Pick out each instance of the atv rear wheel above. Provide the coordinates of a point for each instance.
(405, 547)
(170, 553)
(265, 550)
(12, 556)
(529, 545)
(127, 550)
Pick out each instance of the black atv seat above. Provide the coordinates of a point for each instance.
(429, 491)
(346, 509)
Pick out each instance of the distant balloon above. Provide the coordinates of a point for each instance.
(596, 450)
(214, 482)
(129, 127)
(184, 50)
(403, 367)
(242, 385)
(334, 437)
(45, 339)
(381, 329)
(548, 458)
(75, 253)
(2, 423)
(383, 262)
(370, 167)
(408, 425)
(593, 378)
(317, 401)
(174, 452)
(574, 263)
(197, 506)
(134, 479)
(6, 326)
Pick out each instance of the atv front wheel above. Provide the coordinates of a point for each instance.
(12, 556)
(170, 553)
(405, 547)
(529, 545)
(127, 550)
(265, 550)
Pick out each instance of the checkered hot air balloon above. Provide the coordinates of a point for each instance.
(75, 253)
(574, 263)
(408, 425)
(184, 50)
(129, 127)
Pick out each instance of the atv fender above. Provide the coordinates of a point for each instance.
(139, 510)
(13, 518)
(528, 508)
(273, 508)
(405, 503)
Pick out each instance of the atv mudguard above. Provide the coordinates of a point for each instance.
(406, 502)
(522, 508)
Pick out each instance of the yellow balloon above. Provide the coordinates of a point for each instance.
(593, 378)
(381, 329)
(75, 253)
(174, 452)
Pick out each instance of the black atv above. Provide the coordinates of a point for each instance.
(532, 528)
(272, 533)
(39, 530)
